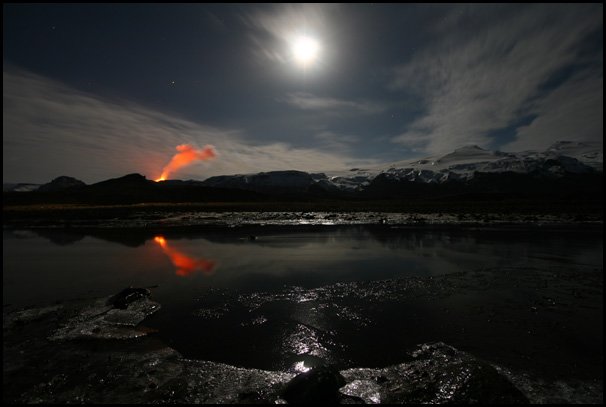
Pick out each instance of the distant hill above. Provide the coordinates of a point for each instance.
(61, 183)
(131, 188)
(19, 187)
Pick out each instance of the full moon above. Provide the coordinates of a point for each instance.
(305, 50)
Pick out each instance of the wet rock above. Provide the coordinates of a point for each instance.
(217, 383)
(319, 385)
(438, 374)
(128, 296)
(146, 371)
(260, 320)
(212, 313)
(306, 340)
(113, 318)
(104, 377)
(366, 390)
(28, 315)
(571, 391)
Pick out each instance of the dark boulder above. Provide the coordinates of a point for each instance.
(442, 374)
(128, 296)
(319, 385)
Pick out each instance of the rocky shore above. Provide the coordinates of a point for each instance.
(103, 351)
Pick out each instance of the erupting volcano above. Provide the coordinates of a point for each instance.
(186, 155)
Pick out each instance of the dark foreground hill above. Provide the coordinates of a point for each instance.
(129, 189)
(500, 192)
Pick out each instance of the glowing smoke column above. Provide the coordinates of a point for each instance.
(184, 264)
(187, 155)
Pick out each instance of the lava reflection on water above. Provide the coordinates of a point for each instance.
(185, 265)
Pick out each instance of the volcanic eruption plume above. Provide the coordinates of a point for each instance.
(187, 155)
(185, 265)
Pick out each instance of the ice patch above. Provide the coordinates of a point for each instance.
(102, 321)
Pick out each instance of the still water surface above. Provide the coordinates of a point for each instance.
(42, 266)
(207, 281)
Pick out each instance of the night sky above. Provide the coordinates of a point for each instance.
(100, 91)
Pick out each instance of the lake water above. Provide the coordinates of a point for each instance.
(289, 297)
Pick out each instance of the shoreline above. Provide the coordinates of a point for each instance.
(147, 217)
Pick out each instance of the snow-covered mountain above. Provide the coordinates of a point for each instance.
(463, 164)
(591, 154)
(273, 181)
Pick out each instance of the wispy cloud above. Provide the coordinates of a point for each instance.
(574, 111)
(276, 26)
(332, 106)
(50, 129)
(474, 82)
(336, 141)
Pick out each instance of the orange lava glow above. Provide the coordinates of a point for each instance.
(186, 155)
(185, 265)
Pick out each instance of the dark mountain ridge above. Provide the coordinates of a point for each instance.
(566, 171)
